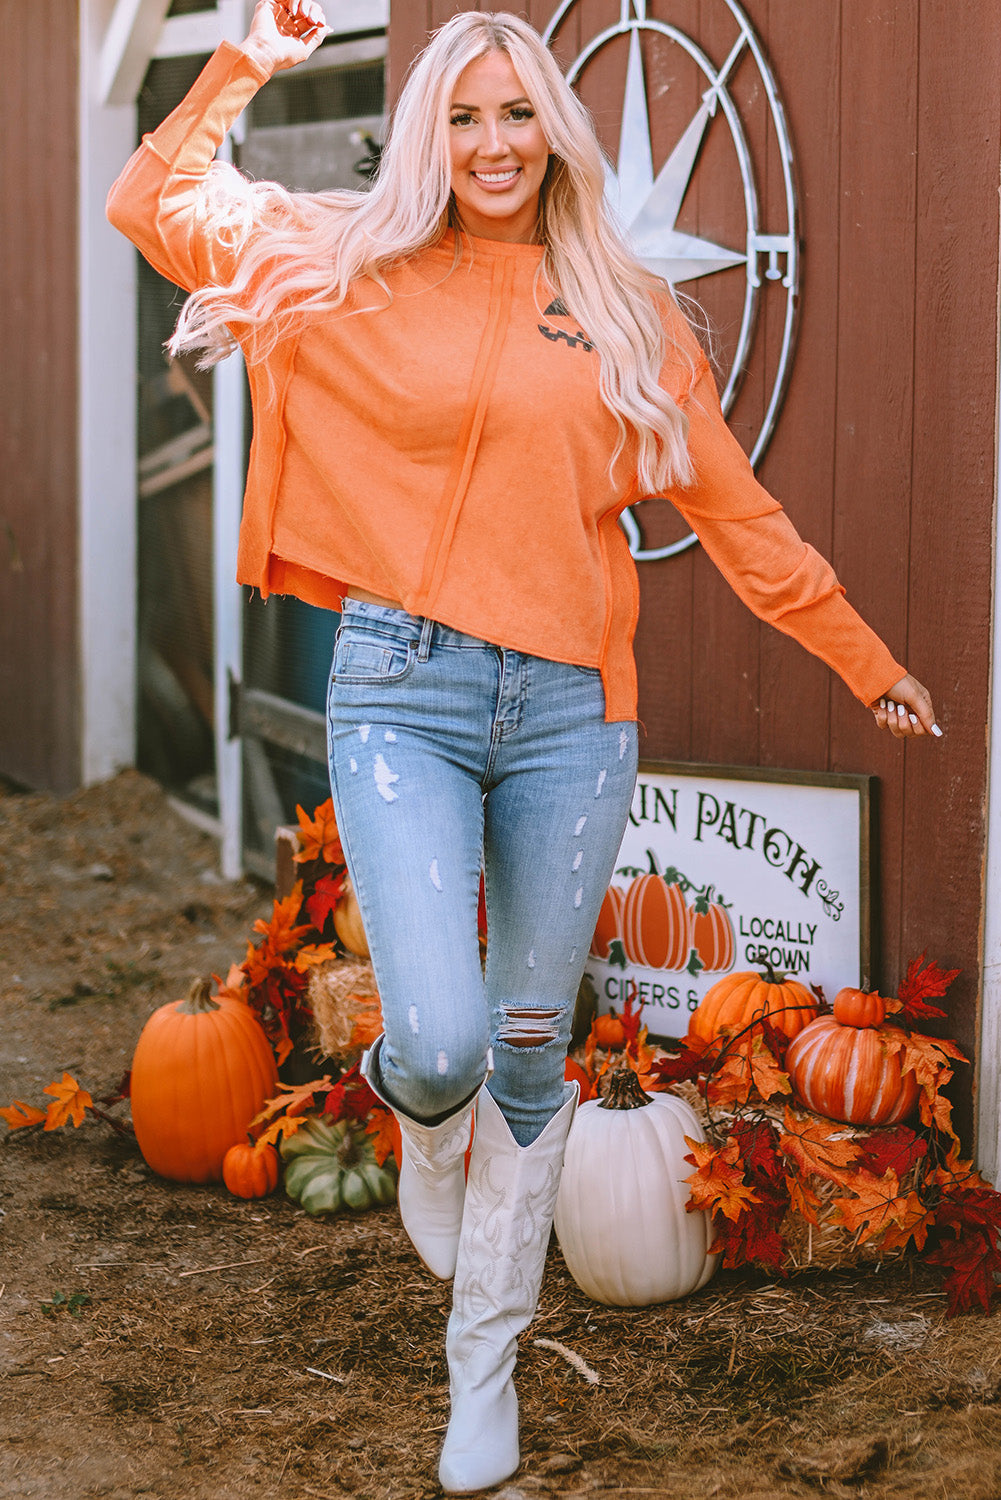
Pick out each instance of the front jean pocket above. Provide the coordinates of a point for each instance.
(371, 658)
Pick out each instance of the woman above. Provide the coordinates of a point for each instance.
(460, 380)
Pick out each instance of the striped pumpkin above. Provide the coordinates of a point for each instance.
(851, 1073)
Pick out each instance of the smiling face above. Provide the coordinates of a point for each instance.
(498, 152)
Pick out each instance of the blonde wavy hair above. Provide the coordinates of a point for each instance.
(296, 254)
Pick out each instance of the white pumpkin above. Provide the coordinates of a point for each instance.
(620, 1214)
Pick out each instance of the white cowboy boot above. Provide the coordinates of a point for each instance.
(432, 1183)
(510, 1200)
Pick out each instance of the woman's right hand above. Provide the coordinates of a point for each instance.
(284, 33)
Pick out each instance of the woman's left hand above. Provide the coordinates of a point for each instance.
(906, 710)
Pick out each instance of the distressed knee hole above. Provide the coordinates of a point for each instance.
(528, 1028)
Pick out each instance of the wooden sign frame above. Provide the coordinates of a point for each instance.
(730, 868)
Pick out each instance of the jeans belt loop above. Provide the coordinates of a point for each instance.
(424, 648)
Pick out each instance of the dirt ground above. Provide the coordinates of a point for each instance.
(226, 1350)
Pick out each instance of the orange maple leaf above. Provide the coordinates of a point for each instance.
(70, 1103)
(597, 1062)
(802, 1199)
(717, 1184)
(384, 1126)
(814, 1145)
(873, 1206)
(641, 1057)
(748, 1066)
(731, 1080)
(19, 1114)
(936, 1110)
(281, 934)
(318, 835)
(956, 1172)
(768, 1078)
(235, 985)
(313, 954)
(282, 1128)
(291, 1100)
(367, 1023)
(927, 1057)
(914, 1219)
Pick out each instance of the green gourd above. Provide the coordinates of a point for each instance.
(330, 1166)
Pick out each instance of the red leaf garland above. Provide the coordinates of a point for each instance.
(895, 1187)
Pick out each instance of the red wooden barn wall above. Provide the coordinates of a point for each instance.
(884, 453)
(38, 391)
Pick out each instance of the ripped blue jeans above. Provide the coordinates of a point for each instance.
(448, 753)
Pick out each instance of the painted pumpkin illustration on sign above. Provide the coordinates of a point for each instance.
(713, 937)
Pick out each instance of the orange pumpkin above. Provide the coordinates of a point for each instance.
(850, 1073)
(202, 1070)
(573, 1072)
(348, 923)
(713, 937)
(859, 1008)
(609, 924)
(735, 1001)
(250, 1171)
(656, 923)
(608, 1030)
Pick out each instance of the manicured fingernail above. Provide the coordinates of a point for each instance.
(901, 710)
(882, 702)
(936, 731)
(913, 718)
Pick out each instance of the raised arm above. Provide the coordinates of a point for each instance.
(780, 577)
(156, 200)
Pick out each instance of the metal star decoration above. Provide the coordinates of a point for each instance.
(648, 205)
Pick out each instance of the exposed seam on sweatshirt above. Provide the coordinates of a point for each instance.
(481, 385)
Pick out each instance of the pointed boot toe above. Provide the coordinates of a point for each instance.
(481, 1445)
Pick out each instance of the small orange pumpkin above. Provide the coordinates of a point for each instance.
(608, 1030)
(850, 1073)
(250, 1171)
(202, 1070)
(348, 923)
(859, 1008)
(737, 1000)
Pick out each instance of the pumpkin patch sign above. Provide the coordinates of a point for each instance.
(724, 869)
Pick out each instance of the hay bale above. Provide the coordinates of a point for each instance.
(343, 997)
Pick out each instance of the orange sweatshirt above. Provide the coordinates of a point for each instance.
(450, 449)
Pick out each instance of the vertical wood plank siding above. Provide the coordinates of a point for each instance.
(38, 351)
(884, 454)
